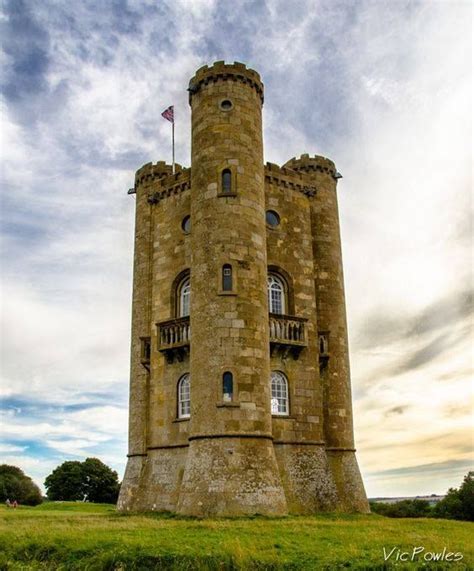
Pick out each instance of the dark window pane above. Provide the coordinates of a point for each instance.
(227, 278)
(272, 218)
(186, 224)
(226, 105)
(226, 181)
(227, 386)
(147, 349)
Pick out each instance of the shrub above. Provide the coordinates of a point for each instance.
(458, 504)
(16, 485)
(405, 508)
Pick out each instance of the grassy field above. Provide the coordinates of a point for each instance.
(73, 536)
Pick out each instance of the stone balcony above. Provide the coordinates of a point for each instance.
(174, 337)
(287, 334)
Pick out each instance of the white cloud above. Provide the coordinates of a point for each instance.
(10, 448)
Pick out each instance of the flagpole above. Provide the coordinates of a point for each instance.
(168, 114)
(172, 141)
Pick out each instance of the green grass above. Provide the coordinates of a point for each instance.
(72, 536)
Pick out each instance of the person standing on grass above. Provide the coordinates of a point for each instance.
(15, 504)
(7, 503)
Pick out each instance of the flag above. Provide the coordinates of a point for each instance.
(168, 114)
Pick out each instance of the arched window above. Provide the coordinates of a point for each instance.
(184, 397)
(226, 181)
(184, 297)
(226, 277)
(276, 295)
(280, 401)
(227, 386)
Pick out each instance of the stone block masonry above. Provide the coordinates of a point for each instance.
(240, 397)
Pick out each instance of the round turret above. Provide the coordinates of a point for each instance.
(332, 328)
(231, 464)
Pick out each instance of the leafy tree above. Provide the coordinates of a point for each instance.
(90, 481)
(458, 504)
(66, 482)
(101, 483)
(466, 493)
(16, 485)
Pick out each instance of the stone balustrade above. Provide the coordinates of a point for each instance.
(287, 334)
(174, 338)
(287, 329)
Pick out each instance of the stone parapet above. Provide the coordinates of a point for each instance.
(169, 185)
(287, 178)
(305, 163)
(221, 71)
(150, 172)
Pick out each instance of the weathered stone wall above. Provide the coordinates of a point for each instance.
(139, 376)
(299, 438)
(171, 259)
(161, 251)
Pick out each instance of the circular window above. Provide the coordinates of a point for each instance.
(226, 105)
(186, 224)
(272, 218)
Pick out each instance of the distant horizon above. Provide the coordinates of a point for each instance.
(382, 88)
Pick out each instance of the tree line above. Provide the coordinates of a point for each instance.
(88, 481)
(93, 481)
(458, 503)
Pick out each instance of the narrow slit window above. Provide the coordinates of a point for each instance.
(145, 349)
(323, 344)
(226, 277)
(227, 387)
(226, 181)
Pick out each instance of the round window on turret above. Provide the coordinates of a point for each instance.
(272, 218)
(226, 105)
(186, 224)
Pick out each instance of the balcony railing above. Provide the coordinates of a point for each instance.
(174, 338)
(287, 334)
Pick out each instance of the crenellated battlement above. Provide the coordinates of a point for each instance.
(221, 71)
(170, 184)
(159, 170)
(305, 163)
(288, 178)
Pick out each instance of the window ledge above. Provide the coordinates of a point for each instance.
(285, 416)
(226, 194)
(221, 292)
(228, 404)
(181, 419)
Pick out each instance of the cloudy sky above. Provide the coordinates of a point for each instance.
(381, 87)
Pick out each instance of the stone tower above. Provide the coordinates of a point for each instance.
(251, 413)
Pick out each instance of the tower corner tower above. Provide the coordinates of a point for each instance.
(332, 326)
